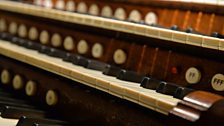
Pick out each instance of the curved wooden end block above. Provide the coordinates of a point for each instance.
(198, 108)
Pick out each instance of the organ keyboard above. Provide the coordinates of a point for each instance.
(110, 68)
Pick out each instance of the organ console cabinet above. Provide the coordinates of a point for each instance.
(116, 62)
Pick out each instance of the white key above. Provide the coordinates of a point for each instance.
(31, 88)
(51, 98)
(193, 39)
(119, 56)
(22, 31)
(107, 11)
(97, 50)
(13, 28)
(210, 42)
(120, 14)
(44, 37)
(82, 47)
(18, 82)
(110, 24)
(180, 37)
(33, 33)
(56, 40)
(151, 18)
(60, 4)
(8, 122)
(69, 43)
(127, 90)
(5, 76)
(82, 7)
(94, 9)
(166, 34)
(3, 25)
(221, 44)
(193, 75)
(70, 5)
(218, 82)
(135, 16)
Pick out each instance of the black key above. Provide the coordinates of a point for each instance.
(9, 99)
(81, 61)
(96, 65)
(174, 27)
(42, 124)
(69, 57)
(33, 45)
(181, 92)
(22, 42)
(16, 112)
(5, 94)
(130, 76)
(28, 121)
(111, 70)
(15, 40)
(150, 83)
(167, 88)
(5, 103)
(217, 35)
(57, 53)
(45, 49)
(191, 30)
(6, 36)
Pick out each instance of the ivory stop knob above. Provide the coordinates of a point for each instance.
(33, 33)
(44, 37)
(31, 88)
(60, 4)
(56, 40)
(48, 4)
(94, 9)
(193, 75)
(135, 15)
(70, 6)
(82, 7)
(120, 14)
(22, 31)
(18, 82)
(97, 50)
(218, 82)
(13, 28)
(82, 47)
(119, 56)
(107, 11)
(5, 77)
(151, 18)
(68, 43)
(51, 97)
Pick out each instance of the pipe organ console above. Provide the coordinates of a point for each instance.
(111, 62)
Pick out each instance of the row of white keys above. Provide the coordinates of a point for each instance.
(133, 92)
(8, 122)
(127, 90)
(212, 2)
(128, 27)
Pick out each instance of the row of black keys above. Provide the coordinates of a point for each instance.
(110, 70)
(13, 107)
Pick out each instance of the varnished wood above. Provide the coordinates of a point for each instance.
(76, 100)
(198, 108)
